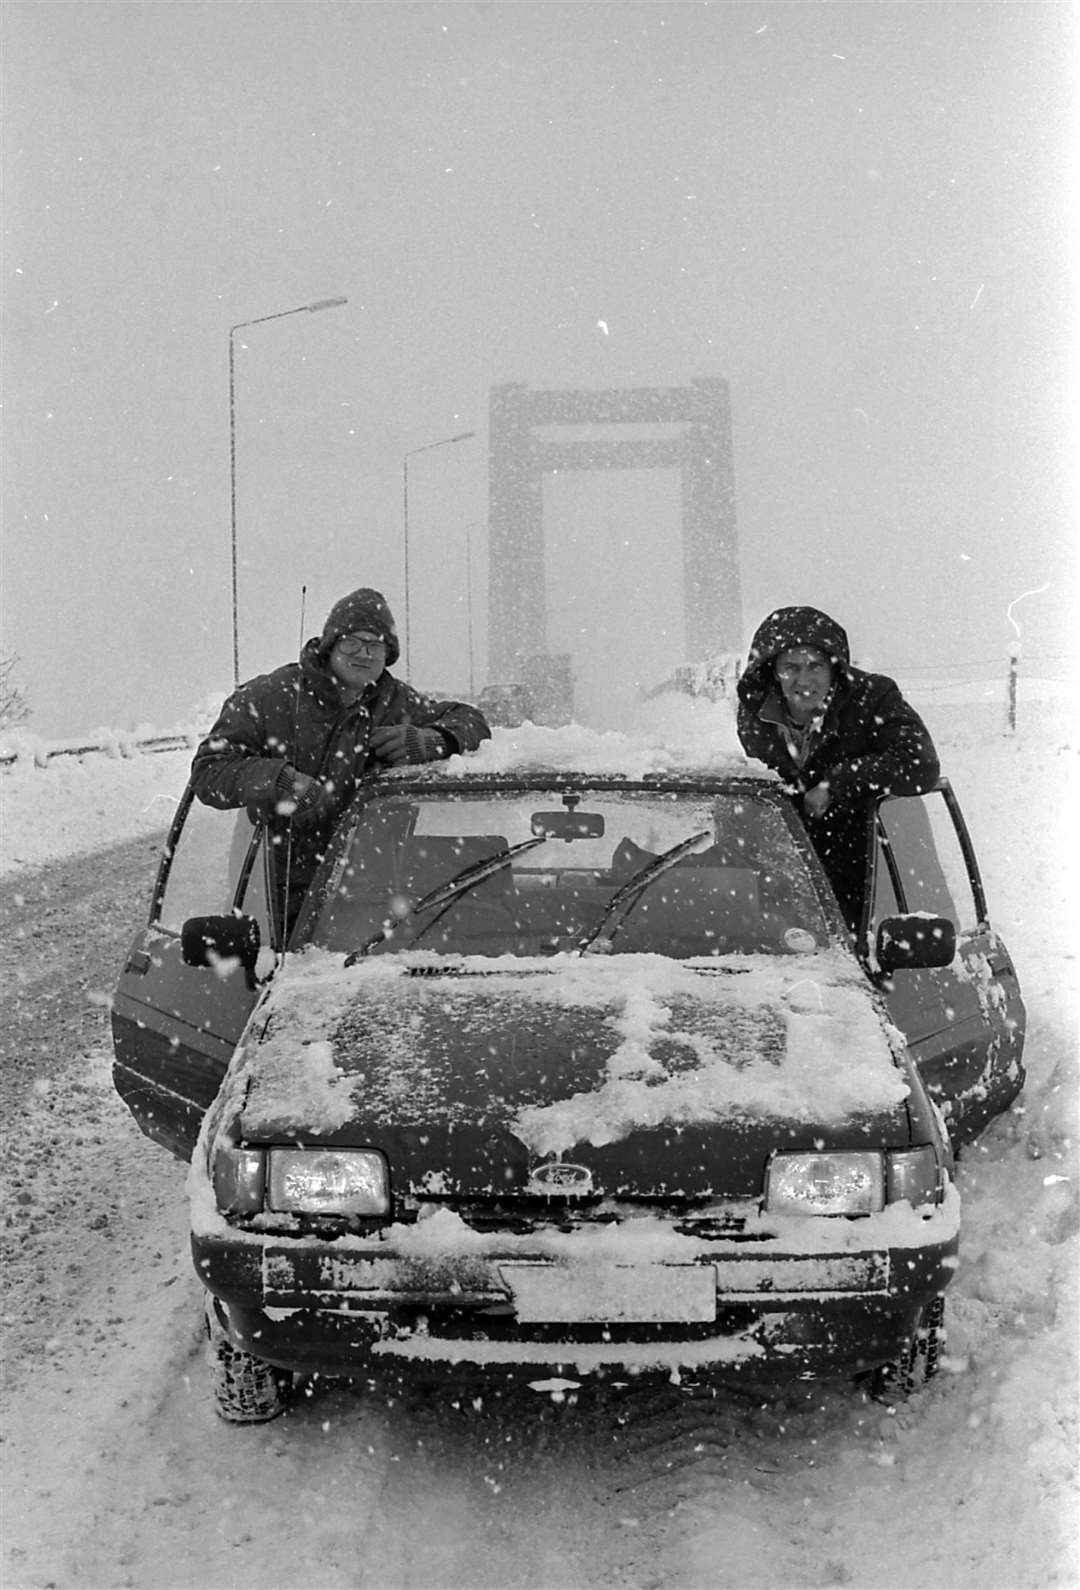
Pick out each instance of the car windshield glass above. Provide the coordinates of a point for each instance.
(444, 894)
(627, 893)
(734, 881)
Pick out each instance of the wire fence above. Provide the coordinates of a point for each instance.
(980, 662)
(944, 682)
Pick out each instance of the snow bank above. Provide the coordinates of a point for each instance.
(74, 803)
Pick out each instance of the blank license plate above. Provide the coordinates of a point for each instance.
(611, 1293)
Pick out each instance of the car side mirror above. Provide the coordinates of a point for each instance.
(214, 940)
(911, 943)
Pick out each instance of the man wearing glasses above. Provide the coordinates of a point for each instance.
(292, 745)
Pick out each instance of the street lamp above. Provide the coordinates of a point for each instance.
(301, 309)
(469, 528)
(445, 441)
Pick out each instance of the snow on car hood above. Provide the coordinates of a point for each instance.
(564, 1051)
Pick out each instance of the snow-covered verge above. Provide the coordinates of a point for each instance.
(116, 1472)
(74, 804)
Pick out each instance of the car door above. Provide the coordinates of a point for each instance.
(964, 1022)
(175, 1026)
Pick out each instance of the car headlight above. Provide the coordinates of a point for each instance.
(328, 1181)
(825, 1184)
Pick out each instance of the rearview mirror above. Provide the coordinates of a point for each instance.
(910, 943)
(568, 825)
(210, 940)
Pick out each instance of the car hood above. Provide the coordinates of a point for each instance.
(654, 1077)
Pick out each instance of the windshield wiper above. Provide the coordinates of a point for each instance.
(447, 893)
(624, 898)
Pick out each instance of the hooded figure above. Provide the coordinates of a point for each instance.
(292, 745)
(837, 736)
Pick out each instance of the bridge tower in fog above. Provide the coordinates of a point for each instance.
(688, 428)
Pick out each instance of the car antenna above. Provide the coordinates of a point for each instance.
(295, 737)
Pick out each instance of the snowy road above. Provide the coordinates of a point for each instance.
(117, 1473)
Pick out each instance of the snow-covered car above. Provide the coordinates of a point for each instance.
(574, 1072)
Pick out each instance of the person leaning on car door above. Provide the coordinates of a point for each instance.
(292, 745)
(837, 736)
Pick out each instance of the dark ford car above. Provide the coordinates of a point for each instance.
(573, 1073)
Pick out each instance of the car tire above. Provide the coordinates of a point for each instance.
(245, 1389)
(917, 1363)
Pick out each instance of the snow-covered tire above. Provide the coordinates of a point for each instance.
(245, 1389)
(917, 1363)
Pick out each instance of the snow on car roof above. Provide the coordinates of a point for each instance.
(676, 733)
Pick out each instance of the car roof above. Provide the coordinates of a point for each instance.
(691, 747)
(691, 781)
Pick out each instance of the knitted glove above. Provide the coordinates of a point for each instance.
(301, 798)
(404, 742)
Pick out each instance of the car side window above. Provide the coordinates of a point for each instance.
(212, 868)
(928, 864)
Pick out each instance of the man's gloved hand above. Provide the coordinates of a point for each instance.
(403, 742)
(816, 801)
(301, 798)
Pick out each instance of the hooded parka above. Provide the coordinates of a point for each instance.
(869, 742)
(296, 718)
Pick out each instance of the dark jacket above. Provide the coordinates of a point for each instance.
(871, 742)
(295, 716)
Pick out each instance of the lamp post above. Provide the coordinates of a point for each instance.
(444, 441)
(469, 528)
(301, 309)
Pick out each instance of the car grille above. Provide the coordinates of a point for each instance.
(524, 1216)
(521, 1217)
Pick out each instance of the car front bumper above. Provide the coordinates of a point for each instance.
(816, 1306)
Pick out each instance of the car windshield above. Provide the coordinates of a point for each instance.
(533, 873)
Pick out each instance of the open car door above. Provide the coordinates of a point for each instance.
(175, 1026)
(964, 1022)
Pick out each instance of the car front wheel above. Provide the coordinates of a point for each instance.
(917, 1363)
(245, 1389)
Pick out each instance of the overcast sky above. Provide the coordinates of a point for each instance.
(857, 215)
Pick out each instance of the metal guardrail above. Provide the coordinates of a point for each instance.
(125, 746)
